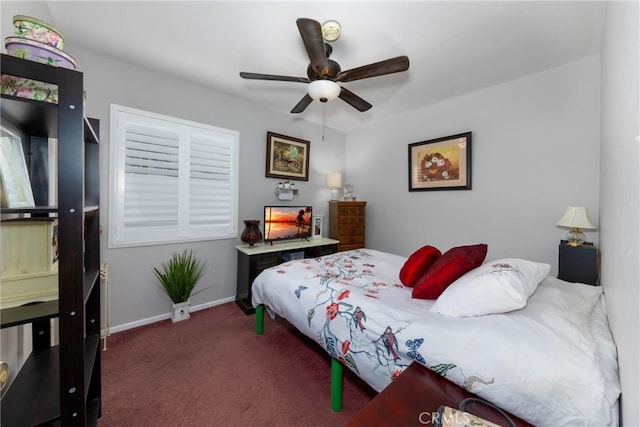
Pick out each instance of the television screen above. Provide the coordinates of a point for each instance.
(287, 223)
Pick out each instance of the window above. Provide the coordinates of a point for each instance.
(170, 180)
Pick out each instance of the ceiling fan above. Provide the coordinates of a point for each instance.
(324, 74)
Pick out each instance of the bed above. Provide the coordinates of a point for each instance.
(552, 362)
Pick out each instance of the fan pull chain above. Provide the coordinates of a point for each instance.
(324, 118)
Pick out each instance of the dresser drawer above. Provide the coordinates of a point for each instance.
(262, 262)
(352, 240)
(321, 251)
(351, 210)
(351, 219)
(351, 230)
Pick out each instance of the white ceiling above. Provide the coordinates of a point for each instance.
(454, 47)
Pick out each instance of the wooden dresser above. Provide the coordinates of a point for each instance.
(347, 224)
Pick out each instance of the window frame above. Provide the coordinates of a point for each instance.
(119, 235)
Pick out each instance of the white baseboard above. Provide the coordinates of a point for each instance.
(149, 320)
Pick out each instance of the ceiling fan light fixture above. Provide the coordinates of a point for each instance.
(324, 90)
(324, 74)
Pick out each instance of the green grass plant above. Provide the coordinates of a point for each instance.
(179, 276)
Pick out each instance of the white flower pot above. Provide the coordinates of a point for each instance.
(180, 311)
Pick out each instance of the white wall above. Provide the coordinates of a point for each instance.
(534, 152)
(134, 294)
(620, 193)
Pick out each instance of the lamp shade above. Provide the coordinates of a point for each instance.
(334, 180)
(323, 90)
(576, 217)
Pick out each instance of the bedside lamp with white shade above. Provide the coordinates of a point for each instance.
(334, 181)
(576, 218)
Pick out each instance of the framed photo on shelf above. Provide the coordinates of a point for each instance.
(317, 227)
(349, 193)
(441, 164)
(287, 157)
(14, 176)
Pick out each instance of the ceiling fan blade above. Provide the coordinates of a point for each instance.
(257, 76)
(389, 66)
(311, 33)
(354, 100)
(304, 103)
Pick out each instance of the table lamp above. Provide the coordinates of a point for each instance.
(334, 181)
(576, 218)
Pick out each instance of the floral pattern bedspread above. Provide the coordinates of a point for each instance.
(353, 305)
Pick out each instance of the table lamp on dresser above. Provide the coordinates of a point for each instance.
(334, 181)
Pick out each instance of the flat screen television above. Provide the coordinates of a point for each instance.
(287, 223)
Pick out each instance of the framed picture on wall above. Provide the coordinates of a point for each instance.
(441, 164)
(317, 227)
(287, 157)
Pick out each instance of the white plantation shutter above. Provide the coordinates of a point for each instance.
(171, 180)
(211, 186)
(150, 177)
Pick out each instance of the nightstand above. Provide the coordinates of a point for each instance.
(578, 264)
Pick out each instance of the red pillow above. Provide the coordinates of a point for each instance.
(447, 269)
(417, 264)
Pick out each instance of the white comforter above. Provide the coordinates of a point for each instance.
(552, 363)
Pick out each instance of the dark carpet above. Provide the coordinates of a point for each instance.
(213, 370)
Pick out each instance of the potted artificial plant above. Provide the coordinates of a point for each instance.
(178, 277)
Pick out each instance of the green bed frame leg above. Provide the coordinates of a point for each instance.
(336, 385)
(260, 319)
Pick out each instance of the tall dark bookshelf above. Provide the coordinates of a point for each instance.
(59, 385)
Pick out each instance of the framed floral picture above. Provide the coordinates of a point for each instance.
(441, 164)
(287, 157)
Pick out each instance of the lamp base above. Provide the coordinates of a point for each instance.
(575, 237)
(334, 194)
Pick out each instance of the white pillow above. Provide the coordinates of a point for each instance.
(498, 286)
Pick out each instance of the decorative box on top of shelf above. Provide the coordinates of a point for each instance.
(29, 262)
